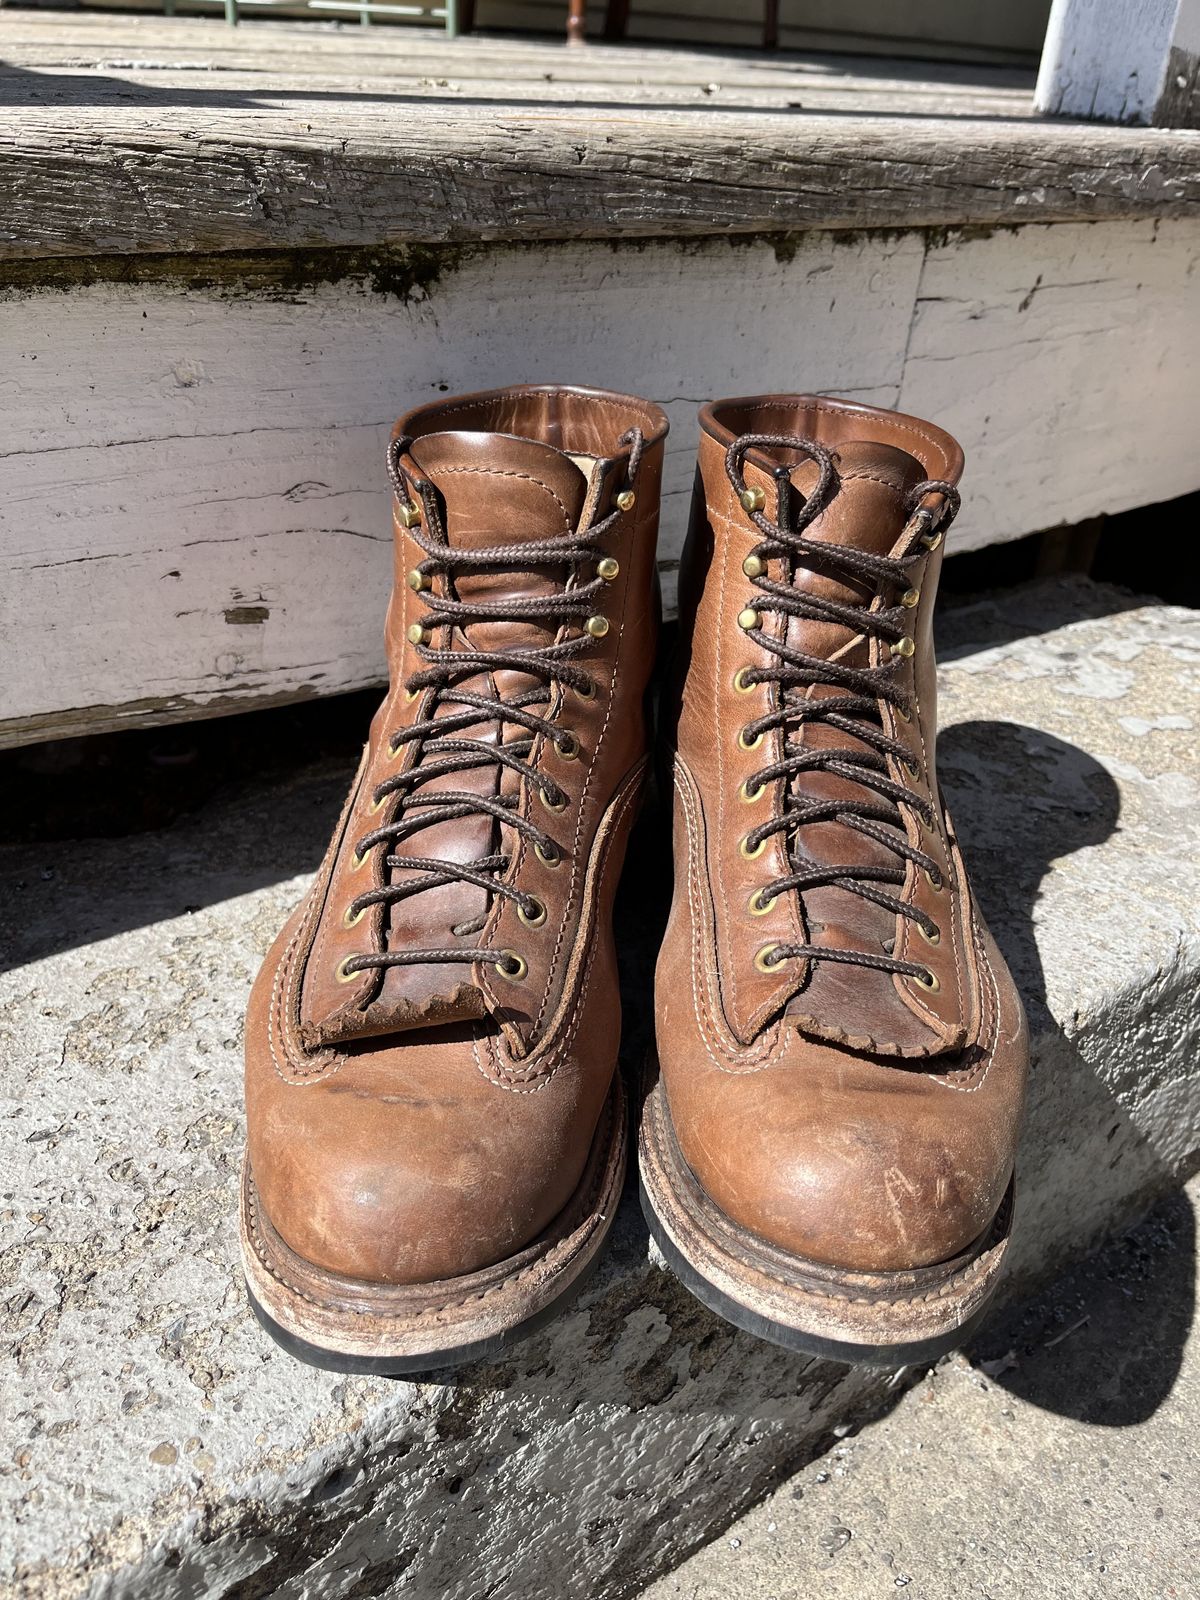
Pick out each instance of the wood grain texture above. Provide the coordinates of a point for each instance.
(129, 157)
(194, 516)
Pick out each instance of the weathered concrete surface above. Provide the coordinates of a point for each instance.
(1059, 1463)
(156, 1444)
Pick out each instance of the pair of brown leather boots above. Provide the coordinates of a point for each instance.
(437, 1129)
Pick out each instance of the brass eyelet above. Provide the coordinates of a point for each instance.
(935, 881)
(930, 982)
(751, 793)
(761, 962)
(377, 804)
(597, 626)
(934, 938)
(904, 647)
(349, 921)
(393, 752)
(589, 693)
(410, 695)
(626, 500)
(342, 975)
(753, 499)
(608, 568)
(567, 746)
(550, 805)
(931, 540)
(749, 854)
(546, 859)
(532, 919)
(739, 683)
(901, 715)
(358, 862)
(748, 619)
(754, 566)
(511, 966)
(760, 907)
(912, 769)
(748, 744)
(910, 598)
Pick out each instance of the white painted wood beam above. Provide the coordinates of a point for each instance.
(1132, 61)
(193, 511)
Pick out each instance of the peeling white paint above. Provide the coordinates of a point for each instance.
(171, 457)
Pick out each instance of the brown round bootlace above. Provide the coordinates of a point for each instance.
(857, 712)
(444, 744)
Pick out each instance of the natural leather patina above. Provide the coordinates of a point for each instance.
(432, 1041)
(842, 1051)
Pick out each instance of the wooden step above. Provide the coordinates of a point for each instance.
(138, 134)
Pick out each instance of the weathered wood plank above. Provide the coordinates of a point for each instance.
(1068, 360)
(1127, 61)
(194, 519)
(410, 55)
(132, 158)
(220, 177)
(147, 87)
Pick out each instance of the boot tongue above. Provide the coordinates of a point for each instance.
(496, 491)
(499, 490)
(868, 512)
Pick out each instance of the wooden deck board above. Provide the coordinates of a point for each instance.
(141, 135)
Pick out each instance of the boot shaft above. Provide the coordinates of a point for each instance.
(806, 716)
(523, 620)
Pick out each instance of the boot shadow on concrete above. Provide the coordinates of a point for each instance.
(1105, 1343)
(1022, 800)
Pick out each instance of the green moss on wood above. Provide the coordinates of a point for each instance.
(404, 272)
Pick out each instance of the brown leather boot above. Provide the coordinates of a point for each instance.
(827, 1155)
(436, 1128)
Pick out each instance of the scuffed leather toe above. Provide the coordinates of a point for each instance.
(848, 1164)
(409, 1192)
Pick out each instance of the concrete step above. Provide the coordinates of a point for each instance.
(156, 1442)
(1072, 1473)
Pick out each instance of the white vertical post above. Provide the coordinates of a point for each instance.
(1123, 61)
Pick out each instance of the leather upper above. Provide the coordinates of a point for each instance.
(416, 1121)
(859, 1116)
